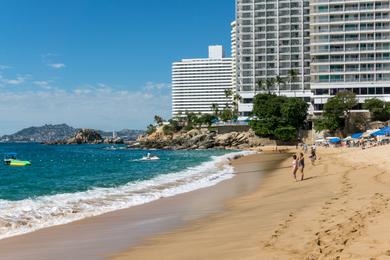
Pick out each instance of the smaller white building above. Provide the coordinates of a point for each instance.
(198, 84)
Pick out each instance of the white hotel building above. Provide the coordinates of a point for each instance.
(197, 84)
(350, 49)
(272, 37)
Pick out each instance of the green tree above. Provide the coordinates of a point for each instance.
(275, 116)
(268, 105)
(259, 85)
(236, 101)
(175, 125)
(292, 77)
(337, 112)
(226, 114)
(379, 109)
(228, 93)
(269, 85)
(294, 112)
(286, 133)
(158, 120)
(207, 119)
(329, 122)
(150, 129)
(279, 81)
(215, 109)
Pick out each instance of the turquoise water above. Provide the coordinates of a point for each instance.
(67, 183)
(67, 169)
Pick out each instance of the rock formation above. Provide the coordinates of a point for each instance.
(200, 139)
(86, 136)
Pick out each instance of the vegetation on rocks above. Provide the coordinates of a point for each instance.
(337, 113)
(379, 109)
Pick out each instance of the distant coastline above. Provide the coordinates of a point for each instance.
(59, 132)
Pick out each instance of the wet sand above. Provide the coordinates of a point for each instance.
(340, 211)
(103, 236)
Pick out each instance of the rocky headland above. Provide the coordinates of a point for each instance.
(88, 136)
(200, 139)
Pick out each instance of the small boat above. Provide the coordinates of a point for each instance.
(10, 160)
(150, 157)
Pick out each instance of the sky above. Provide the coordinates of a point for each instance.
(103, 64)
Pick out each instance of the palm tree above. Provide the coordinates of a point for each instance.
(215, 109)
(269, 84)
(259, 85)
(158, 120)
(279, 81)
(236, 100)
(292, 77)
(228, 93)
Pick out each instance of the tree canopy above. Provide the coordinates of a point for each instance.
(278, 116)
(379, 109)
(337, 112)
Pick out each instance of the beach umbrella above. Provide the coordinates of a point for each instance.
(386, 130)
(335, 140)
(378, 133)
(368, 133)
(383, 131)
(357, 135)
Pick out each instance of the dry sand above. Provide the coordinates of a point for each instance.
(340, 211)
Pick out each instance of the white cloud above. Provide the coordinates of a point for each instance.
(4, 67)
(98, 106)
(45, 84)
(157, 86)
(16, 81)
(56, 65)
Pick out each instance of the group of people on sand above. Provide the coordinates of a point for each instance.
(298, 163)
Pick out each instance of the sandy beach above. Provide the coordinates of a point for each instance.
(340, 211)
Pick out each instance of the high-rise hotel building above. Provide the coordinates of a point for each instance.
(198, 84)
(350, 49)
(272, 38)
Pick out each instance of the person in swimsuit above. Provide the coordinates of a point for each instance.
(295, 166)
(301, 164)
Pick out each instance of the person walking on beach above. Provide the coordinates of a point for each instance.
(313, 156)
(301, 165)
(295, 166)
(305, 148)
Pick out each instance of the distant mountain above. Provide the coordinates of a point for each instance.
(51, 133)
(46, 133)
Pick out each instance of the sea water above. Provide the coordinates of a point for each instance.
(71, 182)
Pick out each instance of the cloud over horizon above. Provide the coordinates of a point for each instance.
(100, 106)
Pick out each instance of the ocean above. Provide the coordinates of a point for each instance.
(70, 182)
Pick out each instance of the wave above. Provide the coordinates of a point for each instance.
(24, 216)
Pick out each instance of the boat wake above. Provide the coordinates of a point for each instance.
(19, 217)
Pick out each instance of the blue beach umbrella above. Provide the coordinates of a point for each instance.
(357, 135)
(383, 131)
(335, 140)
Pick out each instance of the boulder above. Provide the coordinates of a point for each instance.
(86, 136)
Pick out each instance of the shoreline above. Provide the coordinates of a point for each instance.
(340, 211)
(100, 236)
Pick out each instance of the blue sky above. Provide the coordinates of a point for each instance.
(99, 63)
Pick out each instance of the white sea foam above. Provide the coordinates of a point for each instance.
(19, 217)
